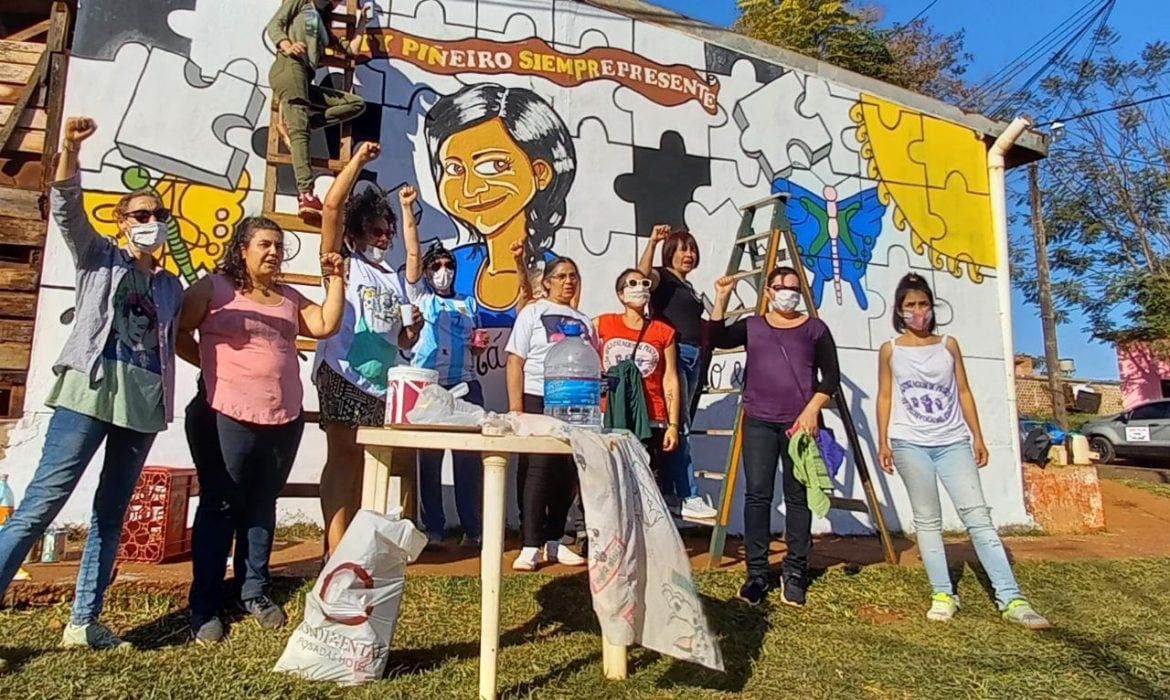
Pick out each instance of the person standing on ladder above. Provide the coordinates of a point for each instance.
(300, 31)
(928, 428)
(790, 374)
(675, 301)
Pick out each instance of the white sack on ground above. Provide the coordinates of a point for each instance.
(351, 613)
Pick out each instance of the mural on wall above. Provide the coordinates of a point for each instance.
(556, 123)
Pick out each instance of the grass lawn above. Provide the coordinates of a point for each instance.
(863, 636)
(1154, 487)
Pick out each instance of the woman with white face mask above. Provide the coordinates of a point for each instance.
(450, 340)
(115, 383)
(790, 373)
(652, 344)
(351, 367)
(928, 430)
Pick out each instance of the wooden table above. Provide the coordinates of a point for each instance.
(389, 479)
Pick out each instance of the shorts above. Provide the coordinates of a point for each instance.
(342, 403)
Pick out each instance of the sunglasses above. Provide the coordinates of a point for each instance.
(143, 216)
(442, 264)
(636, 283)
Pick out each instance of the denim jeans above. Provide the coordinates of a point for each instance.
(680, 469)
(765, 444)
(242, 468)
(468, 468)
(71, 441)
(921, 468)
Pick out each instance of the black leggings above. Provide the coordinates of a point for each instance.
(546, 485)
(764, 444)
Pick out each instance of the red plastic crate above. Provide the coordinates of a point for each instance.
(155, 529)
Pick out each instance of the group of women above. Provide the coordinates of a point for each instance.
(239, 326)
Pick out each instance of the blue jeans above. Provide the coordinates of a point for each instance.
(468, 468)
(71, 441)
(680, 471)
(921, 468)
(242, 469)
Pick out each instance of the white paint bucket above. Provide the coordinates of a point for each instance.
(403, 385)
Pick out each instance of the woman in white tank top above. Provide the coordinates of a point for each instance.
(928, 429)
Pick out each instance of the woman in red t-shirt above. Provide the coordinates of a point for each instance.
(656, 355)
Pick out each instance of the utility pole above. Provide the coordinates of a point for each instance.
(1047, 313)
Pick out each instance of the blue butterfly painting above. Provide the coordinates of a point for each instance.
(836, 237)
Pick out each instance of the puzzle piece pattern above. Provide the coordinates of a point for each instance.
(832, 107)
(103, 89)
(578, 26)
(511, 20)
(449, 19)
(796, 140)
(890, 264)
(103, 28)
(662, 182)
(216, 44)
(723, 138)
(201, 111)
(592, 207)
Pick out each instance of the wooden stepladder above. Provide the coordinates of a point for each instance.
(763, 253)
(345, 27)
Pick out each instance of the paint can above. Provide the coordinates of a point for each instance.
(403, 386)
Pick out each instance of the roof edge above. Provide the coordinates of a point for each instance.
(1032, 145)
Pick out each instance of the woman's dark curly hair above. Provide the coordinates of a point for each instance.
(363, 208)
(232, 264)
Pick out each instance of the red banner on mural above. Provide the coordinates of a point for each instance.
(669, 86)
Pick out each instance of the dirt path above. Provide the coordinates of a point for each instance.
(1137, 522)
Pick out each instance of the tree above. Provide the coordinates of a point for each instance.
(914, 56)
(1106, 186)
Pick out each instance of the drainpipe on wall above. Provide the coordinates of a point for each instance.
(1003, 278)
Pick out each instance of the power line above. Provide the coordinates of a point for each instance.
(1106, 156)
(902, 27)
(1103, 110)
(1097, 34)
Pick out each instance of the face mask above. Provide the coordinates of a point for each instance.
(636, 297)
(442, 278)
(148, 237)
(374, 254)
(785, 300)
(918, 320)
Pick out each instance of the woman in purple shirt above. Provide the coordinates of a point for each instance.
(790, 373)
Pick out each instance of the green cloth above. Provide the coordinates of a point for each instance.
(625, 405)
(301, 20)
(130, 392)
(809, 469)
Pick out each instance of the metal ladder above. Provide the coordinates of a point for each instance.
(345, 27)
(763, 250)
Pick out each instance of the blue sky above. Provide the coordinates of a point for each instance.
(998, 31)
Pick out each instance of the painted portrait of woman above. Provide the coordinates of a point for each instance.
(503, 163)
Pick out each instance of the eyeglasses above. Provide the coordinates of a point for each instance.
(644, 283)
(442, 264)
(143, 216)
(782, 288)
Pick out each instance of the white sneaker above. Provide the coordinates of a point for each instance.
(95, 635)
(555, 551)
(698, 508)
(943, 607)
(529, 559)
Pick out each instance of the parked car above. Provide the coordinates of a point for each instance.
(1141, 433)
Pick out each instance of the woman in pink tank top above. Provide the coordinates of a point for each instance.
(245, 423)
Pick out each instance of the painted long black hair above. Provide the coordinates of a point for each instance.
(232, 264)
(535, 127)
(912, 282)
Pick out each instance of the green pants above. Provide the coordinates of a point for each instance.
(305, 106)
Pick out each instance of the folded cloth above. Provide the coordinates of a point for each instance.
(809, 469)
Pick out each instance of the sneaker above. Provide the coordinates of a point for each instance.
(529, 559)
(210, 632)
(559, 553)
(794, 592)
(471, 542)
(1021, 613)
(698, 508)
(943, 607)
(308, 205)
(753, 591)
(95, 635)
(267, 613)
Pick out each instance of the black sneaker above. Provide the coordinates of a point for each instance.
(210, 632)
(268, 614)
(794, 591)
(753, 591)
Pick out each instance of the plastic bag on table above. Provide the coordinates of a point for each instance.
(351, 613)
(438, 406)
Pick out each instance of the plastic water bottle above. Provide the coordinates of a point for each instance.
(7, 499)
(572, 379)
